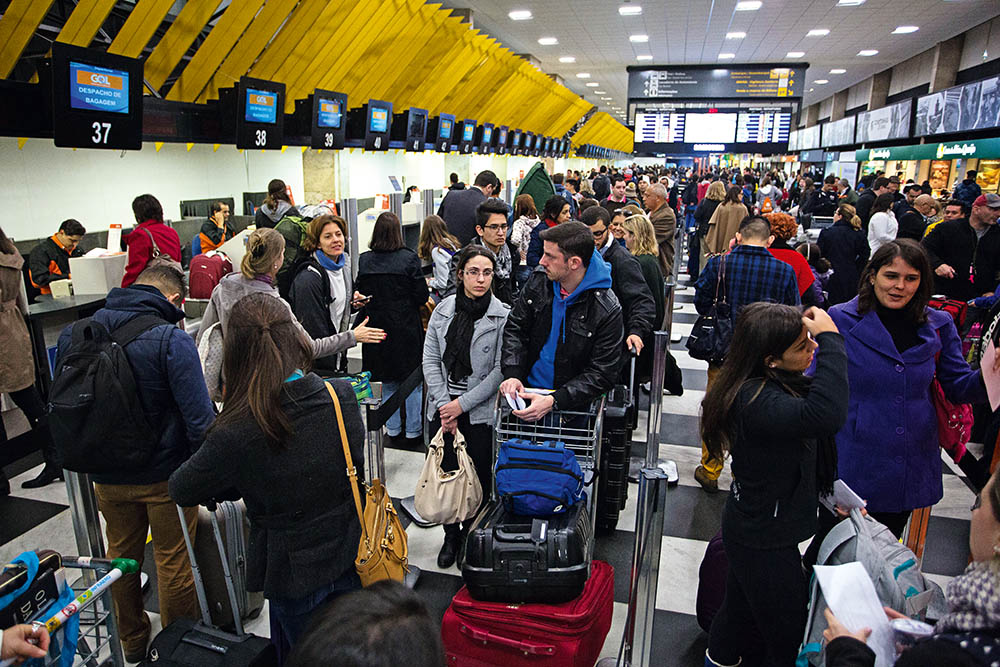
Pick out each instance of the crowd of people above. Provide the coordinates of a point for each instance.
(549, 295)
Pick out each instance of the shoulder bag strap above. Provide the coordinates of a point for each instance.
(135, 327)
(352, 472)
(719, 279)
(156, 248)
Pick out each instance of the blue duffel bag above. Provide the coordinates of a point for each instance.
(538, 479)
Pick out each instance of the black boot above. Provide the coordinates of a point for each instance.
(449, 550)
(4, 484)
(53, 469)
(49, 474)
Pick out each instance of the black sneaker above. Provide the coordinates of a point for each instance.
(48, 475)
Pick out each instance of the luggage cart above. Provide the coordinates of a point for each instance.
(97, 644)
(580, 430)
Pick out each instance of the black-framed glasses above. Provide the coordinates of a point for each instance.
(977, 504)
(497, 228)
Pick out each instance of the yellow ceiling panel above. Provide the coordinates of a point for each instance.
(139, 28)
(448, 74)
(228, 30)
(249, 46)
(389, 83)
(87, 18)
(390, 42)
(191, 20)
(448, 43)
(17, 26)
(476, 88)
(289, 43)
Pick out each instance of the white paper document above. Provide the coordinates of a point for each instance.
(842, 495)
(851, 596)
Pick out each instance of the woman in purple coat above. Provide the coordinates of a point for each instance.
(888, 451)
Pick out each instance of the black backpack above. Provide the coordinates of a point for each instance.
(97, 421)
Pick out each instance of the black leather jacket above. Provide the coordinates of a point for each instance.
(638, 308)
(587, 359)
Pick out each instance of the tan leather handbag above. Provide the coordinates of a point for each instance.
(447, 497)
(382, 552)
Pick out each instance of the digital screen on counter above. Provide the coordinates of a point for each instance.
(330, 114)
(93, 88)
(380, 120)
(467, 131)
(262, 106)
(445, 129)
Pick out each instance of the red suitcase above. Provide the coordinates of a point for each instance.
(206, 272)
(572, 634)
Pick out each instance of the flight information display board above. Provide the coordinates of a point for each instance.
(751, 126)
(745, 81)
(763, 127)
(660, 128)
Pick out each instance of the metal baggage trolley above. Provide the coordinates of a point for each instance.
(580, 430)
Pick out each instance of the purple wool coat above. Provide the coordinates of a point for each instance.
(888, 451)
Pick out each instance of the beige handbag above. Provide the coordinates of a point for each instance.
(447, 497)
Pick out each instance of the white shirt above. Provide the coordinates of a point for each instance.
(338, 292)
(882, 229)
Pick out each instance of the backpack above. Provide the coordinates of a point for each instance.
(158, 257)
(538, 479)
(293, 228)
(767, 207)
(892, 567)
(97, 421)
(206, 271)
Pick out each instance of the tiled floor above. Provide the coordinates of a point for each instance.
(37, 519)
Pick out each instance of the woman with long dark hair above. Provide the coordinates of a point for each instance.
(277, 204)
(17, 368)
(882, 226)
(778, 425)
(461, 363)
(436, 247)
(277, 442)
(555, 211)
(845, 246)
(391, 275)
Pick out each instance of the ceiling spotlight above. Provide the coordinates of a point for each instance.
(850, 3)
(644, 57)
(583, 75)
(520, 15)
(567, 59)
(638, 39)
(818, 32)
(795, 54)
(592, 84)
(838, 71)
(726, 56)
(748, 5)
(820, 82)
(600, 92)
(606, 99)
(868, 52)
(548, 41)
(630, 10)
(905, 30)
(735, 35)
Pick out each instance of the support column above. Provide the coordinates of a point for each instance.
(319, 175)
(839, 105)
(812, 115)
(879, 90)
(947, 55)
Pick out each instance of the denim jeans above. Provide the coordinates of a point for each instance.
(413, 405)
(293, 615)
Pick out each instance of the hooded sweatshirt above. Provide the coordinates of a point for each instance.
(771, 191)
(598, 276)
(235, 286)
(269, 217)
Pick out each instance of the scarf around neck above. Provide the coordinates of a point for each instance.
(503, 266)
(328, 262)
(458, 339)
(973, 599)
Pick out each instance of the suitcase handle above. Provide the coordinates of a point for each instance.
(526, 647)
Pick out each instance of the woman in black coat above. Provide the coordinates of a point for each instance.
(390, 273)
(846, 247)
(702, 214)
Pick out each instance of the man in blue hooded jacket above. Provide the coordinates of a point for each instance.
(174, 398)
(565, 330)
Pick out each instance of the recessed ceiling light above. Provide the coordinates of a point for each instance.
(795, 54)
(520, 15)
(606, 99)
(567, 59)
(735, 35)
(644, 57)
(600, 92)
(638, 39)
(850, 3)
(905, 30)
(548, 41)
(838, 71)
(592, 84)
(583, 75)
(630, 10)
(820, 82)
(748, 5)
(868, 52)
(726, 56)
(818, 32)
(811, 89)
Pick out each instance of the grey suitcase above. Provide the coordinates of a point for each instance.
(235, 527)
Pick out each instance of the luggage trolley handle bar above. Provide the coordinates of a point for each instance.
(526, 647)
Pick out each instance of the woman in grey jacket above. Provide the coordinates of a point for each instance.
(462, 369)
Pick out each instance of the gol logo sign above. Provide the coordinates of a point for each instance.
(98, 79)
(262, 100)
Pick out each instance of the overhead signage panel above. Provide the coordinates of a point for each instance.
(750, 81)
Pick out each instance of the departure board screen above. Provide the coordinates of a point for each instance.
(763, 127)
(659, 127)
(744, 81)
(709, 128)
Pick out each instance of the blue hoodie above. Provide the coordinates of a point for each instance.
(542, 374)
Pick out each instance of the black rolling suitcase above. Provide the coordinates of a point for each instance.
(616, 451)
(200, 644)
(511, 558)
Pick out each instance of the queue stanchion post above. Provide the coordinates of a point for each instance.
(86, 518)
(661, 344)
(427, 199)
(396, 204)
(672, 289)
(508, 192)
(349, 212)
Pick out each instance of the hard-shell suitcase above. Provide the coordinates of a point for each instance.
(206, 272)
(482, 634)
(235, 528)
(200, 644)
(511, 558)
(616, 450)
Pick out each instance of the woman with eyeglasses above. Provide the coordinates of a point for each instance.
(968, 633)
(462, 370)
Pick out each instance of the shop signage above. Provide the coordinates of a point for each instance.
(949, 150)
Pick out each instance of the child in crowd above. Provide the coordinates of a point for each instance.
(436, 248)
(821, 270)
